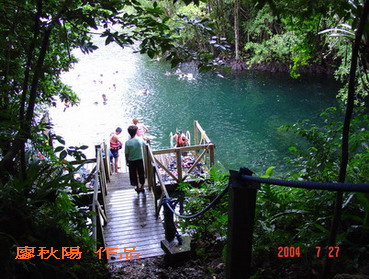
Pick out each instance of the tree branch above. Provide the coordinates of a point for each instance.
(345, 136)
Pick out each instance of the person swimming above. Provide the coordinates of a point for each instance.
(181, 139)
(66, 104)
(143, 92)
(142, 129)
(105, 100)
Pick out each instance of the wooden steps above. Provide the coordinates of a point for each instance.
(131, 220)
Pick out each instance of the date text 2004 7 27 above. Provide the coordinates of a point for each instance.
(292, 252)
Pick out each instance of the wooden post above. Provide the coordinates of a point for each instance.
(147, 160)
(102, 174)
(169, 226)
(242, 200)
(99, 231)
(149, 167)
(151, 176)
(94, 199)
(155, 192)
(211, 147)
(195, 133)
(179, 165)
(106, 162)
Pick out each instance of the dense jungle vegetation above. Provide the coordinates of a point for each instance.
(38, 197)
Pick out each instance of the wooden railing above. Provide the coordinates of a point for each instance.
(155, 181)
(154, 163)
(106, 158)
(178, 151)
(95, 198)
(199, 135)
(102, 176)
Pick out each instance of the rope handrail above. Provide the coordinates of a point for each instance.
(350, 187)
(210, 205)
(328, 186)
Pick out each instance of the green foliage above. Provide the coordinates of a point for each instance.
(298, 217)
(282, 219)
(323, 152)
(212, 224)
(319, 161)
(260, 24)
(340, 43)
(278, 48)
(277, 33)
(38, 192)
(42, 211)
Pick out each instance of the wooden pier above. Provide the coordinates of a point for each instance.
(131, 220)
(128, 225)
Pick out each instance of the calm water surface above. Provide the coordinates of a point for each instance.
(240, 112)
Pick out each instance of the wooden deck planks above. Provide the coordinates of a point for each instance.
(131, 220)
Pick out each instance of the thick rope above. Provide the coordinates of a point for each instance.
(210, 205)
(348, 187)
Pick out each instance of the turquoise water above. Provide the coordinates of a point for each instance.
(239, 112)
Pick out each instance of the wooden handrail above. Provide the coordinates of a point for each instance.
(164, 191)
(100, 191)
(163, 188)
(181, 149)
(165, 169)
(196, 162)
(82, 162)
(203, 134)
(153, 163)
(178, 151)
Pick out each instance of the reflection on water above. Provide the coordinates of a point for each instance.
(240, 112)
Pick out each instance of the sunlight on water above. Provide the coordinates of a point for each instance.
(107, 71)
(240, 112)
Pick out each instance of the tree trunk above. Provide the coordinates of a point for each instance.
(236, 28)
(345, 137)
(7, 162)
(237, 65)
(36, 32)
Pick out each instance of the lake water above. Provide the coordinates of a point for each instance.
(239, 112)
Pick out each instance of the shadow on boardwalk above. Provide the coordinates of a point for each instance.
(131, 220)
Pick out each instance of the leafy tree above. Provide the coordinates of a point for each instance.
(38, 201)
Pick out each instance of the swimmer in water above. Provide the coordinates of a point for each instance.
(66, 105)
(144, 92)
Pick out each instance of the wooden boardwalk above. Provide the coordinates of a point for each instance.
(131, 220)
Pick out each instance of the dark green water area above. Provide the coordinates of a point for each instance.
(240, 112)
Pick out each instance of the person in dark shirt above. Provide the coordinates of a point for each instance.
(134, 157)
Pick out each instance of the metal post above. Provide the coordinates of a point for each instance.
(242, 200)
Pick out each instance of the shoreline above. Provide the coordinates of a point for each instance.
(278, 67)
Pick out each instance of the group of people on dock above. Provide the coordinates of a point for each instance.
(133, 152)
(133, 149)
